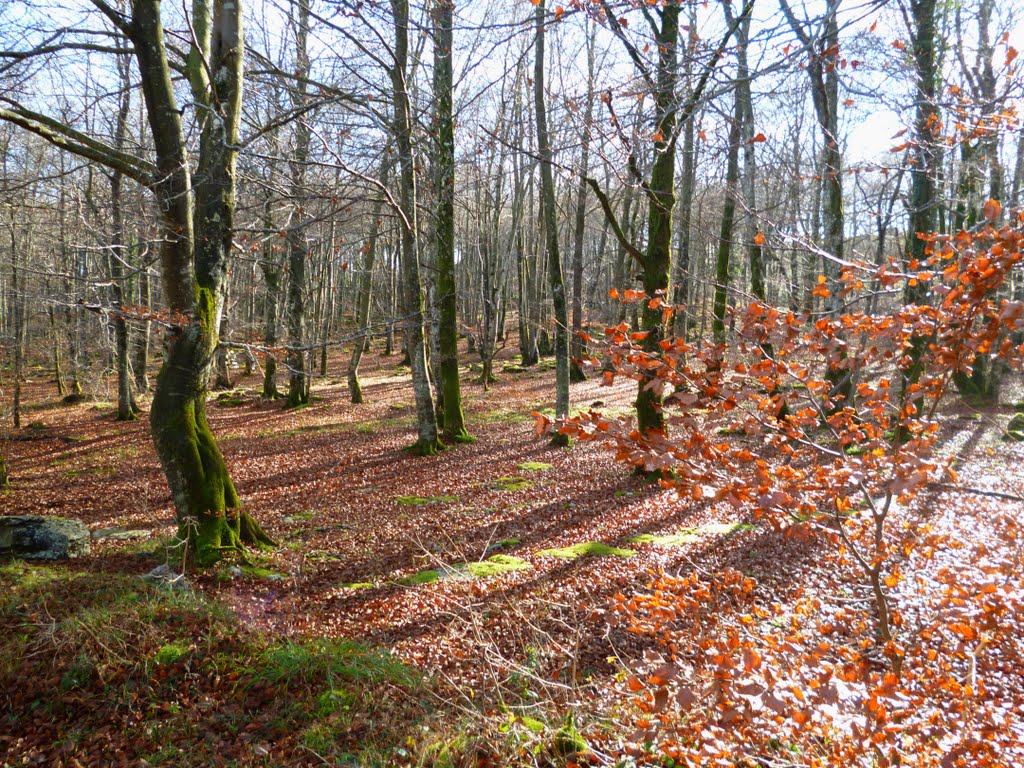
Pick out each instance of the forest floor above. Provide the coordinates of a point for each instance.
(448, 610)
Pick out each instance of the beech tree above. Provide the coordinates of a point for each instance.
(197, 218)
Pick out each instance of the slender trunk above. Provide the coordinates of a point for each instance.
(449, 386)
(555, 278)
(141, 355)
(722, 265)
(298, 248)
(427, 441)
(576, 350)
(365, 293)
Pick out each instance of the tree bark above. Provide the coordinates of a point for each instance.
(453, 418)
(428, 442)
(555, 277)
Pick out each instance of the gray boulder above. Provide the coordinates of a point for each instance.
(35, 537)
(165, 578)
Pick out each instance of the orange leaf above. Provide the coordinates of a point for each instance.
(757, 139)
(991, 210)
(759, 238)
(1011, 54)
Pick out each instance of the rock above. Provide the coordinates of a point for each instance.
(35, 537)
(1015, 429)
(120, 534)
(166, 578)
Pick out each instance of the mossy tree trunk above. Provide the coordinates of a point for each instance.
(823, 71)
(208, 509)
(452, 417)
(118, 257)
(657, 262)
(298, 249)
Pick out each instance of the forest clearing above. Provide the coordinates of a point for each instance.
(442, 384)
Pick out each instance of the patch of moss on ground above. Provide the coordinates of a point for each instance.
(256, 572)
(689, 535)
(357, 585)
(496, 565)
(587, 549)
(534, 466)
(170, 653)
(423, 577)
(416, 501)
(511, 484)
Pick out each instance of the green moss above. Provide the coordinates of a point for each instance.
(568, 741)
(533, 726)
(416, 501)
(689, 535)
(1015, 429)
(506, 543)
(423, 577)
(331, 662)
(511, 484)
(357, 585)
(495, 565)
(534, 466)
(256, 572)
(670, 540)
(587, 549)
(170, 653)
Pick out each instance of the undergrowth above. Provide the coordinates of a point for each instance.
(102, 668)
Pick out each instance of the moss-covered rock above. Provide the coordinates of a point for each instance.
(1015, 429)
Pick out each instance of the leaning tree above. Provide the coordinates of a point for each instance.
(197, 217)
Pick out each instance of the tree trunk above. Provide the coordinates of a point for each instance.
(555, 278)
(576, 350)
(427, 442)
(366, 292)
(207, 506)
(298, 249)
(722, 263)
(444, 234)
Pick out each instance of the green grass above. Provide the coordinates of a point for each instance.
(332, 662)
(587, 549)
